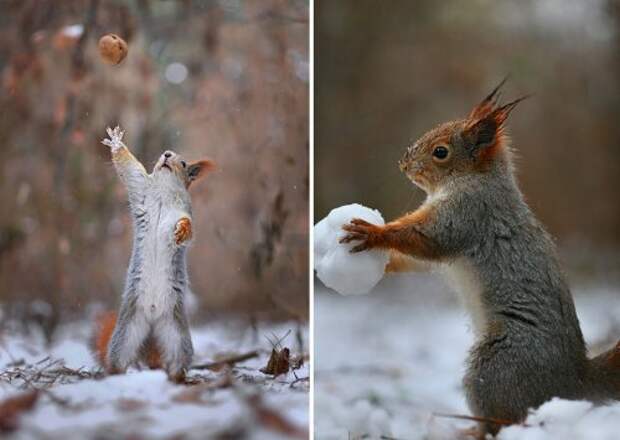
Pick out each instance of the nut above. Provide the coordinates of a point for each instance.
(112, 48)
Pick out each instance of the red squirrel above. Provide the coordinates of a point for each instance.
(151, 325)
(476, 227)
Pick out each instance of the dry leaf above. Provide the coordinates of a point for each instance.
(11, 408)
(278, 362)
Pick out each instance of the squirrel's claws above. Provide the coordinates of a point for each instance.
(353, 227)
(360, 222)
(360, 248)
(115, 140)
(358, 230)
(352, 236)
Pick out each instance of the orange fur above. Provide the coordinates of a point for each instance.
(400, 235)
(203, 167)
(183, 230)
(403, 263)
(403, 236)
(104, 327)
(151, 355)
(488, 154)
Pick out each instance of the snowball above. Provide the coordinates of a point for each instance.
(336, 267)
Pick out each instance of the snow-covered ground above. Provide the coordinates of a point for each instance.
(389, 362)
(144, 404)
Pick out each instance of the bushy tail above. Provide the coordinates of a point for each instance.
(605, 375)
(104, 327)
(100, 341)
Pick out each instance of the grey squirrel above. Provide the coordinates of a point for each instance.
(477, 227)
(152, 324)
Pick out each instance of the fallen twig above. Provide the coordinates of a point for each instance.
(499, 422)
(230, 361)
(299, 379)
(45, 373)
(194, 394)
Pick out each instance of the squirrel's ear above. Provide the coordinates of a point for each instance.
(480, 133)
(198, 169)
(483, 132)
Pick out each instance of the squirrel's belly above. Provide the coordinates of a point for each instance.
(156, 297)
(155, 301)
(464, 279)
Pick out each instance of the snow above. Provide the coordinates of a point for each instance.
(336, 267)
(144, 404)
(568, 419)
(388, 364)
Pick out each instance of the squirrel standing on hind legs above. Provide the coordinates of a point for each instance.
(152, 325)
(477, 227)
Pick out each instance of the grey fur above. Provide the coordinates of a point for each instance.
(531, 348)
(157, 282)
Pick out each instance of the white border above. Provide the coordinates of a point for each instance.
(311, 221)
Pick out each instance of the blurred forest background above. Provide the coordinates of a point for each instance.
(224, 79)
(386, 72)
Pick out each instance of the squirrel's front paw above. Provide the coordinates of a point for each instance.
(183, 230)
(115, 142)
(361, 230)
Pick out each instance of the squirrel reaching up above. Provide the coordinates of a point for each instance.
(152, 323)
(476, 226)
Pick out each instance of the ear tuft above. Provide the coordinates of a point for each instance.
(486, 120)
(501, 114)
(489, 103)
(197, 170)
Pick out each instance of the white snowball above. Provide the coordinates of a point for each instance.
(336, 267)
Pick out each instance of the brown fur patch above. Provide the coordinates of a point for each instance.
(104, 327)
(403, 235)
(183, 231)
(198, 169)
(613, 358)
(122, 155)
(400, 263)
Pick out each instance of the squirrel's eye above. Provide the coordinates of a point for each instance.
(441, 152)
(184, 164)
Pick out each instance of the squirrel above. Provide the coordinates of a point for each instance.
(152, 324)
(477, 227)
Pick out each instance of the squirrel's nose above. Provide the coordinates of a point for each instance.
(167, 154)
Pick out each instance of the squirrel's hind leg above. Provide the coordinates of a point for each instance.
(129, 334)
(175, 342)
